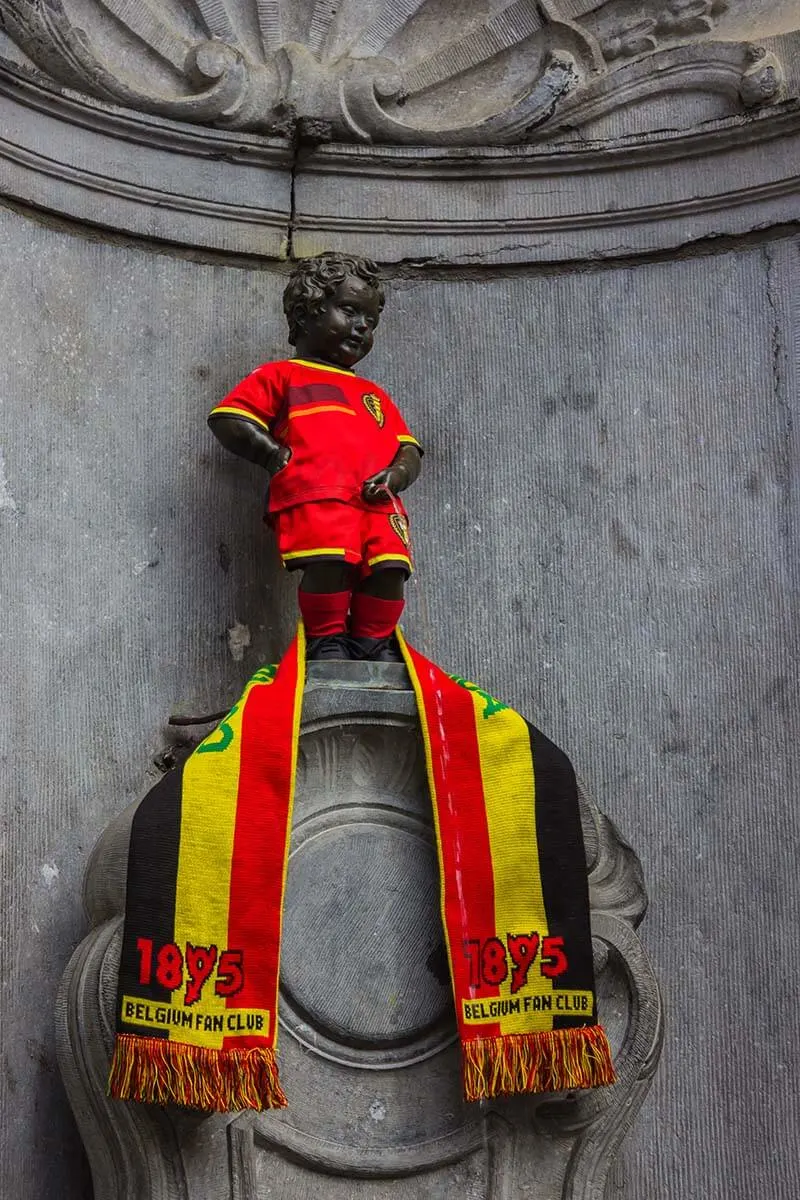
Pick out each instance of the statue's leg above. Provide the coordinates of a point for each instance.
(327, 577)
(388, 584)
(324, 601)
(376, 608)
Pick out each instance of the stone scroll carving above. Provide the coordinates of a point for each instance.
(406, 72)
(368, 1049)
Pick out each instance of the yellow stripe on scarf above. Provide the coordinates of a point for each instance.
(202, 894)
(297, 715)
(509, 789)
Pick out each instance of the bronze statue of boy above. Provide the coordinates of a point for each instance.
(338, 454)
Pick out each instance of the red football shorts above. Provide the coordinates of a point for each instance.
(335, 531)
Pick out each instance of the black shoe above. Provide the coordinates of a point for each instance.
(336, 646)
(376, 649)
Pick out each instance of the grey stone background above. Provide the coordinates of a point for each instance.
(604, 531)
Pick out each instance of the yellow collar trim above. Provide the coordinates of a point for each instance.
(306, 362)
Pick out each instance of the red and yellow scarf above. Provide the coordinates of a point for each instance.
(198, 981)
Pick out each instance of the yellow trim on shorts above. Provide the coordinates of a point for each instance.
(317, 550)
(388, 558)
(408, 439)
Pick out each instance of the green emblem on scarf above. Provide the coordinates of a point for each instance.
(492, 705)
(225, 738)
(265, 674)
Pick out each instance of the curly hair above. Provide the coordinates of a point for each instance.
(314, 279)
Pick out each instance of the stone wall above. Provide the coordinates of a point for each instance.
(604, 535)
(588, 213)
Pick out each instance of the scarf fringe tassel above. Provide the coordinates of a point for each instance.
(537, 1062)
(157, 1071)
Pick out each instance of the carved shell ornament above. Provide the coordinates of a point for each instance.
(424, 72)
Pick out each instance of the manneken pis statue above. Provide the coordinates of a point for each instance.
(338, 453)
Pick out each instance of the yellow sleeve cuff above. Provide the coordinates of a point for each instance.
(226, 410)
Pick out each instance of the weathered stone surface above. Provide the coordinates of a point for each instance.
(368, 1049)
(606, 198)
(138, 175)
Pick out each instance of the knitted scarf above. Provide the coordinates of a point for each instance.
(198, 980)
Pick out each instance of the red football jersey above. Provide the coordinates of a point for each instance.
(340, 428)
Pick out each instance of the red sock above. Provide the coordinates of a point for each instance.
(372, 617)
(323, 613)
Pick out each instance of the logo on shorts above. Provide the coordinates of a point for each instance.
(400, 525)
(372, 404)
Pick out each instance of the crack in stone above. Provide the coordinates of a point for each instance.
(780, 393)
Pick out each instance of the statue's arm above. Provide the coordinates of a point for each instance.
(249, 441)
(399, 475)
(407, 462)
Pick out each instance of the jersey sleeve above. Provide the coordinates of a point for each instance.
(397, 426)
(257, 398)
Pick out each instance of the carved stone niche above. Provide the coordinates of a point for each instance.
(368, 1051)
(418, 72)
(453, 132)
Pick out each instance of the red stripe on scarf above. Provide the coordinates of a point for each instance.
(462, 830)
(263, 825)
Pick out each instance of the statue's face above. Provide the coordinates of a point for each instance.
(342, 331)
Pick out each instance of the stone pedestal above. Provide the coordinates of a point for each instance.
(368, 1050)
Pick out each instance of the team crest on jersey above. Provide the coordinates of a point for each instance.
(372, 404)
(400, 525)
